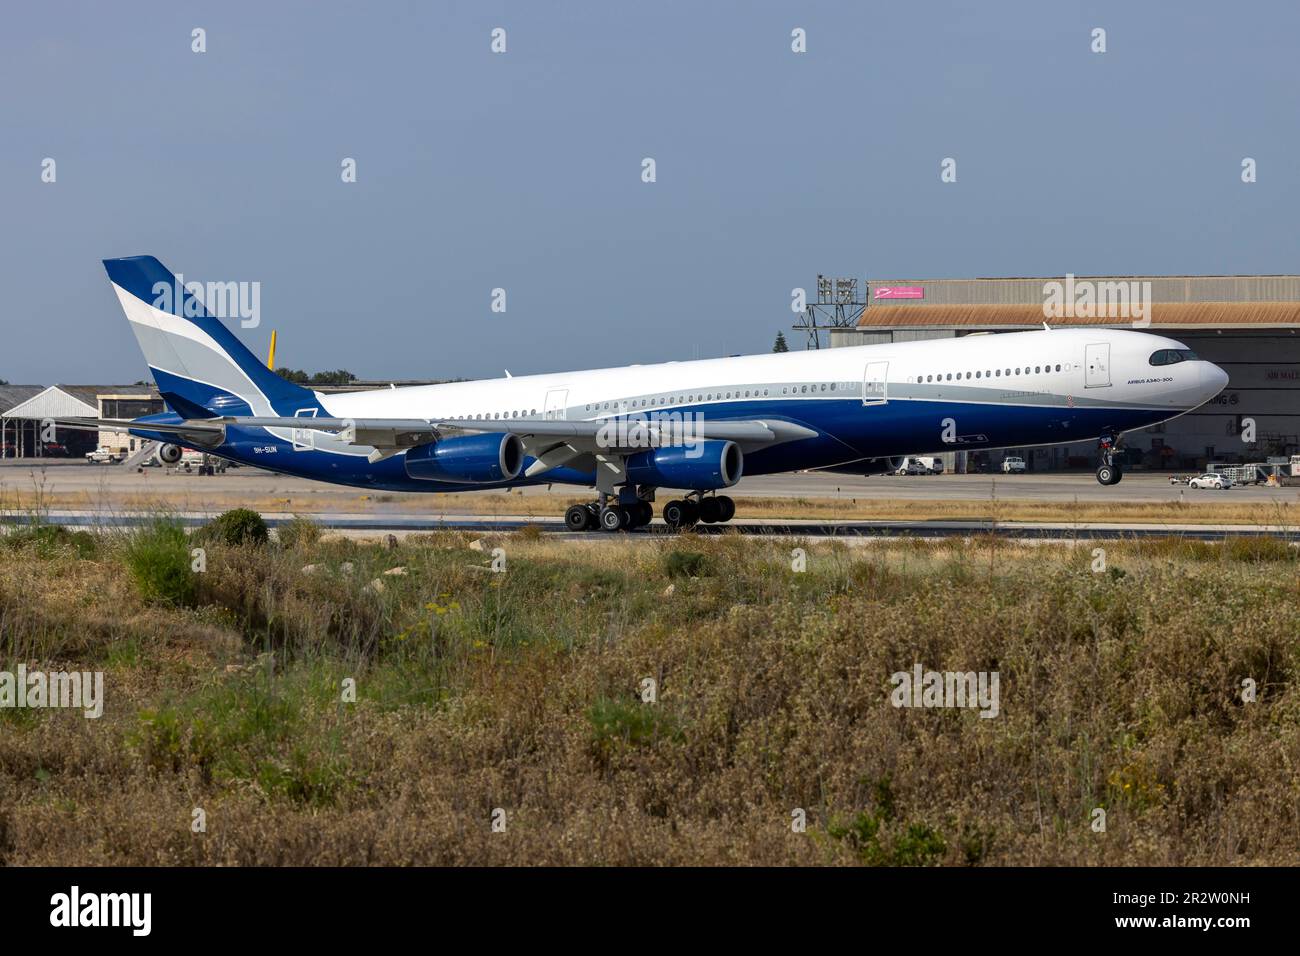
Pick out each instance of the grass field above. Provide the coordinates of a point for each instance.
(518, 696)
(1204, 508)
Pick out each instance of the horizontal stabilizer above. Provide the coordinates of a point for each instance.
(200, 432)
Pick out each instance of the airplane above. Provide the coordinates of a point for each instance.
(696, 427)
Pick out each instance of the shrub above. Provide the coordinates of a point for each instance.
(685, 564)
(236, 527)
(157, 556)
(48, 539)
(617, 724)
(301, 532)
(1254, 550)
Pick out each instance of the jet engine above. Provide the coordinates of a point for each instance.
(169, 454)
(468, 459)
(699, 466)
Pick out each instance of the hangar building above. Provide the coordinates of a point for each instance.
(23, 408)
(1248, 325)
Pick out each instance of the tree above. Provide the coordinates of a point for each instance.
(339, 376)
(779, 345)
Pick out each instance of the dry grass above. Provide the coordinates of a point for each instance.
(1206, 507)
(519, 691)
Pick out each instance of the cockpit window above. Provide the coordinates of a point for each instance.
(1172, 356)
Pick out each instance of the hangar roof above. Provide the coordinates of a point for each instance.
(11, 395)
(1175, 301)
(1170, 315)
(54, 401)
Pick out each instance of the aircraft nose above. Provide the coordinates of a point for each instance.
(1214, 379)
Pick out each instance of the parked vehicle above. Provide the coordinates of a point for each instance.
(104, 456)
(1210, 480)
(920, 466)
(1012, 465)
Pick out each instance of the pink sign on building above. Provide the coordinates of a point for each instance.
(899, 292)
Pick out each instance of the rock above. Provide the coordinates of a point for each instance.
(345, 567)
(310, 568)
(668, 591)
(476, 545)
(377, 586)
(396, 571)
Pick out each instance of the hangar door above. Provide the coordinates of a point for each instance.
(1096, 365)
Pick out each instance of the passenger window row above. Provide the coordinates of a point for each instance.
(681, 398)
(684, 398)
(991, 373)
(493, 416)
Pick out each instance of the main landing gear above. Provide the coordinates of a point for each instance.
(1110, 471)
(683, 513)
(609, 515)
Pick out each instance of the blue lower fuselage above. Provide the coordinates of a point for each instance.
(846, 430)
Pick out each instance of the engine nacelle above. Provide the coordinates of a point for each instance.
(170, 454)
(468, 459)
(868, 466)
(700, 466)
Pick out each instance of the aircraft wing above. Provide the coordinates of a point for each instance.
(551, 442)
(405, 432)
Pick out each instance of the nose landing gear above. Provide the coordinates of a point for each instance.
(1110, 471)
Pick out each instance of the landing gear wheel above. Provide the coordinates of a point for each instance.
(577, 518)
(1108, 474)
(677, 514)
(692, 512)
(642, 514)
(614, 519)
(710, 510)
(726, 506)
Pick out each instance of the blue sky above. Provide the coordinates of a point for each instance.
(523, 170)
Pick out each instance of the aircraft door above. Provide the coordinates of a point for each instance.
(303, 439)
(1096, 365)
(875, 383)
(557, 404)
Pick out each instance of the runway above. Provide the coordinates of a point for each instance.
(65, 475)
(81, 495)
(367, 526)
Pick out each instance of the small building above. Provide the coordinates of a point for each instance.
(126, 403)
